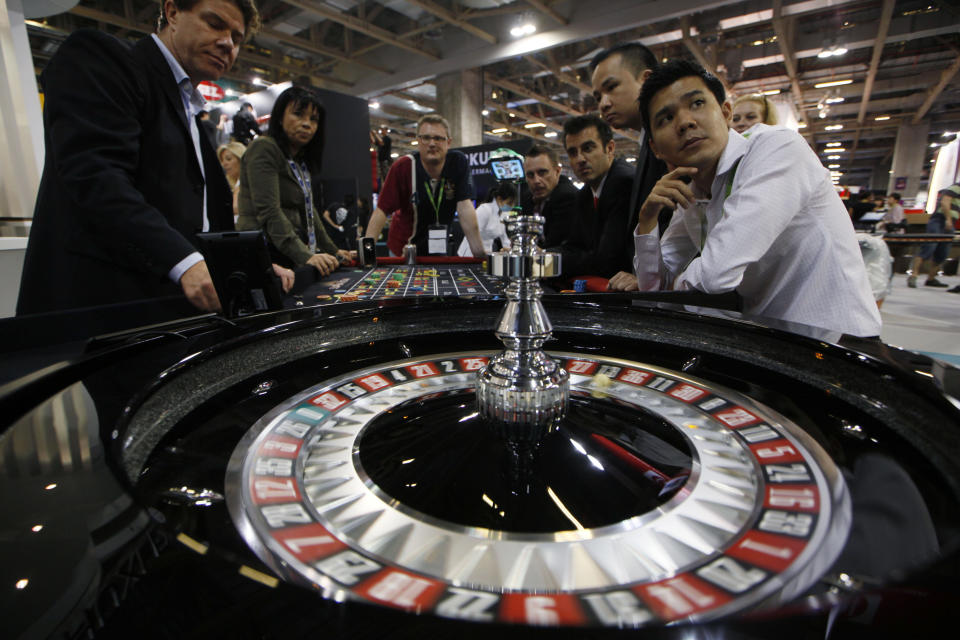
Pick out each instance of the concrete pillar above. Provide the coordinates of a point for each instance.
(21, 122)
(880, 177)
(460, 101)
(908, 155)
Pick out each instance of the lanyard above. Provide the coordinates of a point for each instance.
(436, 200)
(303, 178)
(702, 213)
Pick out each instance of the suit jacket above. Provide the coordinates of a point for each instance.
(271, 199)
(121, 196)
(645, 177)
(559, 211)
(602, 243)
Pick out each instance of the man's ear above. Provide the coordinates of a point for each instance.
(170, 11)
(644, 75)
(653, 147)
(727, 109)
(611, 147)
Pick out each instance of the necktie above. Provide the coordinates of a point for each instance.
(596, 203)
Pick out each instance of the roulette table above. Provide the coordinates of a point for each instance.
(392, 278)
(332, 469)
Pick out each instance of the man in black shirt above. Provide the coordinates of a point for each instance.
(245, 127)
(549, 194)
(602, 240)
(617, 75)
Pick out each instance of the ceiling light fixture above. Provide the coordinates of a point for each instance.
(833, 127)
(832, 51)
(771, 92)
(500, 130)
(832, 83)
(534, 125)
(524, 27)
(834, 144)
(374, 105)
(881, 118)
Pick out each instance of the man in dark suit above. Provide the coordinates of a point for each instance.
(617, 76)
(549, 194)
(602, 241)
(129, 178)
(245, 127)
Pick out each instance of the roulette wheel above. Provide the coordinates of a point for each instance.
(571, 466)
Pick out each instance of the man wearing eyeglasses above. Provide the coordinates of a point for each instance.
(423, 191)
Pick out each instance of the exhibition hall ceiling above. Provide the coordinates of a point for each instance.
(849, 71)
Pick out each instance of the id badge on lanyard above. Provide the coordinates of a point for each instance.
(436, 233)
(303, 178)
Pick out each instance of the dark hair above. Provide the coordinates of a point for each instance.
(299, 97)
(577, 124)
(505, 191)
(636, 57)
(543, 150)
(670, 72)
(246, 105)
(251, 15)
(895, 196)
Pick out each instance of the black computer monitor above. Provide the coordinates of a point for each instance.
(239, 263)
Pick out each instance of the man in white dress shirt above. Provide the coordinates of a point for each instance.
(758, 216)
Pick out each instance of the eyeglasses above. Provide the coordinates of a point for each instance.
(432, 138)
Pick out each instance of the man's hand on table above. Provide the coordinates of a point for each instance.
(324, 263)
(198, 286)
(623, 281)
(286, 277)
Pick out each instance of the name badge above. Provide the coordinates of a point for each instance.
(437, 240)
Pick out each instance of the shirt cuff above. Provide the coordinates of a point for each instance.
(181, 267)
(646, 260)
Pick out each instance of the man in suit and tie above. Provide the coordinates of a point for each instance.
(129, 177)
(601, 243)
(617, 74)
(549, 194)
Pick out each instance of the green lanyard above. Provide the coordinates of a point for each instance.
(436, 200)
(703, 215)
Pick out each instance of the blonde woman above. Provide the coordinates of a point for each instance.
(750, 110)
(229, 156)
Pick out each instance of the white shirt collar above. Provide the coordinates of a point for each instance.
(193, 100)
(596, 192)
(736, 148)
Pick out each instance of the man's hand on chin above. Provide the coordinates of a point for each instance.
(198, 286)
(623, 281)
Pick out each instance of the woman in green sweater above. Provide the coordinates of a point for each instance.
(276, 193)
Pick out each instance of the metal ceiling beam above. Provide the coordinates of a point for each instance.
(403, 36)
(361, 26)
(523, 91)
(885, 15)
(784, 32)
(316, 79)
(320, 50)
(401, 112)
(935, 91)
(424, 101)
(694, 47)
(554, 69)
(449, 16)
(526, 116)
(547, 10)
